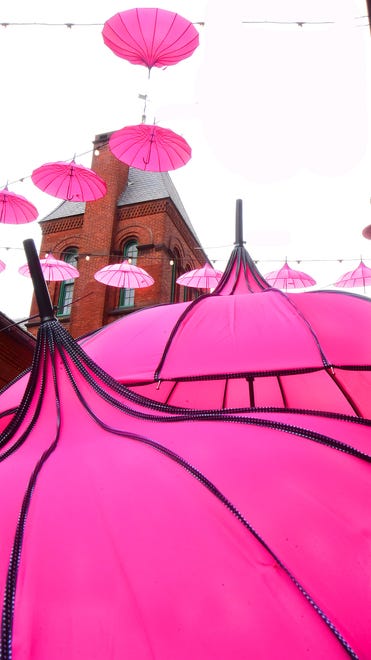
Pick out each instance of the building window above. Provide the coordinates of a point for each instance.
(66, 290)
(130, 252)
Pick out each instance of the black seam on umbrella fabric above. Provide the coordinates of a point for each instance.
(15, 557)
(53, 341)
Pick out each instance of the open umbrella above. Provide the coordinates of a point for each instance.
(150, 37)
(360, 276)
(288, 278)
(253, 520)
(53, 270)
(15, 209)
(69, 181)
(201, 278)
(124, 275)
(149, 147)
(2, 266)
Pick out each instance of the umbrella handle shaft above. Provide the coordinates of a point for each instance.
(41, 290)
(239, 232)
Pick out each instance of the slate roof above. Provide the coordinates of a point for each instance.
(142, 187)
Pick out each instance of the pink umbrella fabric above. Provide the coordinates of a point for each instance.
(201, 278)
(54, 270)
(250, 507)
(150, 37)
(149, 147)
(69, 181)
(15, 209)
(124, 275)
(361, 276)
(288, 278)
(2, 266)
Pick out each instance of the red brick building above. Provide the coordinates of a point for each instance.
(16, 349)
(141, 217)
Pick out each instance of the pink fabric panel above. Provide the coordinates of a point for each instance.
(234, 337)
(315, 391)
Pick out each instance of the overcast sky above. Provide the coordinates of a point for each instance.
(276, 114)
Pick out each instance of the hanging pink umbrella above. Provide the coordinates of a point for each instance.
(149, 147)
(361, 276)
(254, 521)
(124, 275)
(288, 278)
(201, 278)
(53, 269)
(151, 37)
(15, 209)
(69, 181)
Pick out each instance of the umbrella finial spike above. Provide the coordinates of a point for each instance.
(239, 233)
(41, 290)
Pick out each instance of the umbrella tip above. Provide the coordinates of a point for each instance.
(40, 287)
(239, 232)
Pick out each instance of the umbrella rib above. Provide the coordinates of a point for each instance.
(282, 391)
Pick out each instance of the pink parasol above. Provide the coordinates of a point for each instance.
(288, 278)
(254, 520)
(201, 278)
(53, 269)
(124, 275)
(151, 37)
(2, 266)
(15, 209)
(69, 181)
(149, 147)
(361, 276)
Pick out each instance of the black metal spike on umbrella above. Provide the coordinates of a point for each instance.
(41, 290)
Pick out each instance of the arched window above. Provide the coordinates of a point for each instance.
(130, 252)
(66, 291)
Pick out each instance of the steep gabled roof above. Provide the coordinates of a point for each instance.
(141, 187)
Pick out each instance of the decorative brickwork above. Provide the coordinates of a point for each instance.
(64, 224)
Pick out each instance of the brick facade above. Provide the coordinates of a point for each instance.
(166, 248)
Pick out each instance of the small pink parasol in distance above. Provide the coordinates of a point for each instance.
(361, 276)
(150, 147)
(53, 270)
(15, 209)
(201, 278)
(69, 181)
(288, 278)
(124, 275)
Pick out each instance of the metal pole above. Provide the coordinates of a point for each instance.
(41, 290)
(239, 233)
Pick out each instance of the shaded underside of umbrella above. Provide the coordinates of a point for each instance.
(15, 209)
(150, 37)
(199, 503)
(149, 147)
(69, 181)
(201, 278)
(54, 270)
(124, 275)
(360, 276)
(288, 278)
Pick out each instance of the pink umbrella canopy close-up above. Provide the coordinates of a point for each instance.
(288, 278)
(193, 480)
(53, 270)
(149, 147)
(124, 275)
(360, 276)
(15, 209)
(150, 37)
(201, 278)
(69, 181)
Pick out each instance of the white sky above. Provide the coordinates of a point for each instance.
(278, 115)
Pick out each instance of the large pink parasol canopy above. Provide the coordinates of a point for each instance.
(69, 181)
(150, 37)
(15, 209)
(288, 278)
(142, 528)
(149, 147)
(124, 275)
